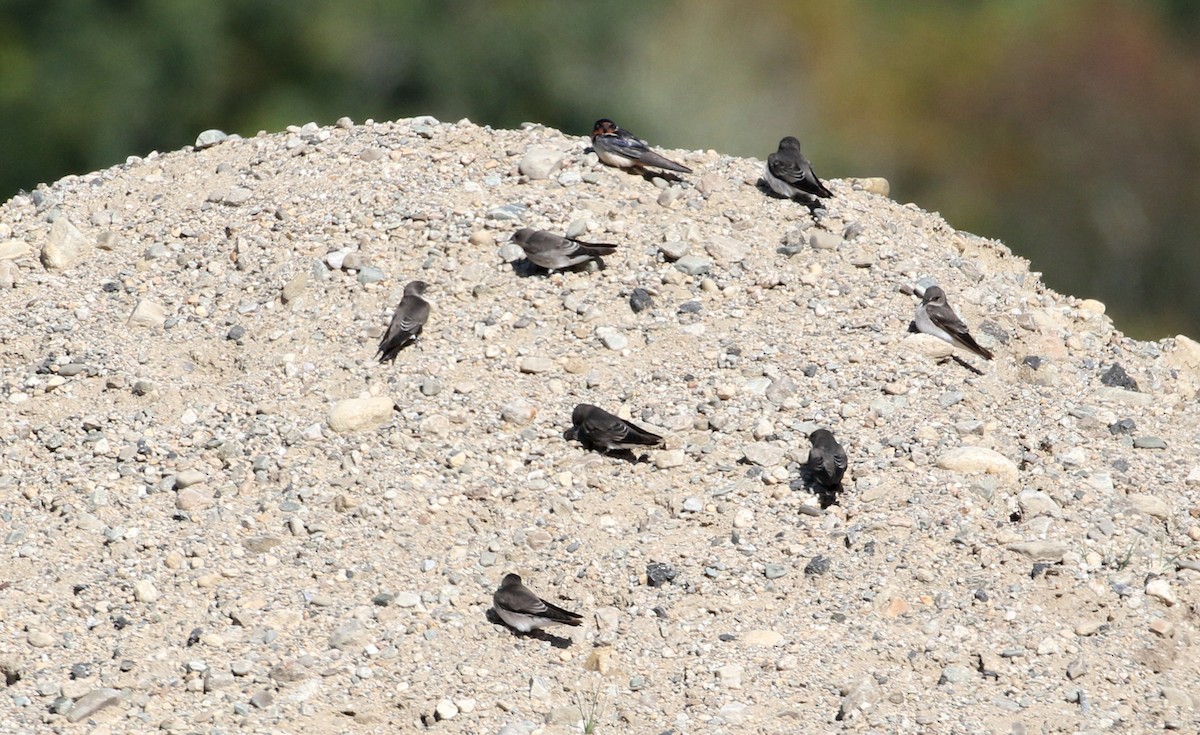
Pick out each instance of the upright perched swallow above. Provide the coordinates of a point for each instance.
(620, 148)
(600, 429)
(935, 317)
(407, 322)
(554, 252)
(789, 173)
(826, 460)
(523, 611)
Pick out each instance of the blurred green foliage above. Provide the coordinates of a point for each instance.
(1068, 129)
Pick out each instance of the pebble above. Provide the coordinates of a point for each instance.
(1051, 551)
(92, 702)
(539, 163)
(144, 591)
(446, 709)
(187, 478)
(1151, 505)
(774, 571)
(518, 412)
(613, 339)
(822, 240)
(730, 676)
(40, 639)
(359, 414)
(536, 365)
(763, 454)
(665, 460)
(147, 314)
(978, 459)
(858, 698)
(816, 566)
(693, 265)
(65, 247)
(1149, 442)
(640, 300)
(1116, 377)
(674, 250)
(726, 250)
(1160, 588)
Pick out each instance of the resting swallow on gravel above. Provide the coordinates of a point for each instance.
(523, 611)
(618, 147)
(554, 252)
(600, 429)
(826, 460)
(789, 173)
(407, 321)
(935, 317)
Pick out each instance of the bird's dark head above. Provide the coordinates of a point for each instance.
(580, 413)
(934, 295)
(510, 580)
(415, 288)
(604, 126)
(789, 144)
(820, 436)
(521, 236)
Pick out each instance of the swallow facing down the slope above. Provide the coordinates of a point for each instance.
(935, 317)
(554, 252)
(407, 321)
(789, 173)
(523, 611)
(826, 460)
(620, 148)
(600, 429)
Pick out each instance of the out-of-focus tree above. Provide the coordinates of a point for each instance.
(1067, 129)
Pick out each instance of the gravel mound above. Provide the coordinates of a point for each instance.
(220, 514)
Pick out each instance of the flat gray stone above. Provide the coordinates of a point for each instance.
(693, 265)
(93, 702)
(147, 314)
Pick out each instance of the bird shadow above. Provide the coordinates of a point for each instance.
(912, 327)
(526, 268)
(537, 634)
(811, 203)
(649, 175)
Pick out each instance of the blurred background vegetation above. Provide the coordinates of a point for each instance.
(1068, 129)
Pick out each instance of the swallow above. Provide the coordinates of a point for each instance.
(407, 321)
(620, 148)
(789, 173)
(935, 317)
(826, 460)
(598, 428)
(554, 252)
(523, 611)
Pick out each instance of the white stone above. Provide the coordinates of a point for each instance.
(358, 414)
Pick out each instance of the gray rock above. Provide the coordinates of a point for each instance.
(668, 459)
(370, 274)
(774, 571)
(187, 478)
(613, 339)
(858, 698)
(147, 314)
(92, 702)
(817, 566)
(978, 459)
(674, 250)
(640, 300)
(693, 265)
(65, 247)
(822, 240)
(536, 365)
(955, 674)
(209, 138)
(518, 412)
(1035, 503)
(507, 213)
(359, 414)
(763, 454)
(726, 250)
(780, 390)
(1149, 442)
(539, 163)
(1051, 551)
